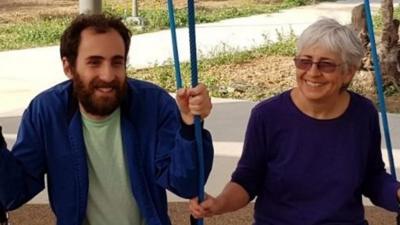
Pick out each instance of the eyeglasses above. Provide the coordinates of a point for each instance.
(323, 66)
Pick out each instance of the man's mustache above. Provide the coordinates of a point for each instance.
(97, 83)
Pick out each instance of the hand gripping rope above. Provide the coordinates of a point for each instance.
(379, 85)
(194, 78)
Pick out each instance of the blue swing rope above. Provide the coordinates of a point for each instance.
(381, 96)
(171, 16)
(379, 85)
(194, 82)
(197, 121)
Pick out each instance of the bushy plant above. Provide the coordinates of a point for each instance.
(296, 2)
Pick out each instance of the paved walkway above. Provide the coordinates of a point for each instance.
(24, 73)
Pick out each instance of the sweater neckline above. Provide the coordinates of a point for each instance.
(293, 106)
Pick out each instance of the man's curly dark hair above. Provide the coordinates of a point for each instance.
(101, 23)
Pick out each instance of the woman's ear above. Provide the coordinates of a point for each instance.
(351, 71)
(348, 75)
(67, 67)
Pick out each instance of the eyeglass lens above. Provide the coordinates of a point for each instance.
(323, 66)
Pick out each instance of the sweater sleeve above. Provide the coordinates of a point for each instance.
(249, 173)
(379, 186)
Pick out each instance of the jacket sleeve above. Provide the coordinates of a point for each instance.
(379, 186)
(176, 155)
(22, 169)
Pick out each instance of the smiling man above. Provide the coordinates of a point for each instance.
(110, 145)
(98, 71)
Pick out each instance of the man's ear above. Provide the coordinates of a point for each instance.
(67, 67)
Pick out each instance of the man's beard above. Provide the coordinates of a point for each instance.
(99, 105)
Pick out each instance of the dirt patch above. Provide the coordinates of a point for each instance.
(25, 10)
(392, 103)
(179, 214)
(267, 76)
(256, 79)
(210, 4)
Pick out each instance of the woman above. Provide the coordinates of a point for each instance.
(310, 153)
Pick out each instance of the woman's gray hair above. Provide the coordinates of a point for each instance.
(335, 37)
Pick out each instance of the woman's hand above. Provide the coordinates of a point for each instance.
(209, 207)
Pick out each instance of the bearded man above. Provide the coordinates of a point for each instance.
(109, 145)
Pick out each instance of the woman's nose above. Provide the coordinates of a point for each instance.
(314, 70)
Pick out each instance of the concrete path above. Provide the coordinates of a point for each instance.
(24, 73)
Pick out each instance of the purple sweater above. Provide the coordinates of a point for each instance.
(313, 172)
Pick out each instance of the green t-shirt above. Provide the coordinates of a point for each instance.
(110, 199)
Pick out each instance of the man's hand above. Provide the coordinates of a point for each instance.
(3, 143)
(193, 101)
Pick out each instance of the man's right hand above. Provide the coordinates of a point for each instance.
(193, 101)
(3, 143)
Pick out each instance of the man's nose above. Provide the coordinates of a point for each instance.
(107, 73)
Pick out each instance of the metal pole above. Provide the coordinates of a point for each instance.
(134, 8)
(90, 6)
(135, 19)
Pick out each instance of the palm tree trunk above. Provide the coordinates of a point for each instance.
(390, 49)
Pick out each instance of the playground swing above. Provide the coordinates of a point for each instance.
(191, 19)
(194, 82)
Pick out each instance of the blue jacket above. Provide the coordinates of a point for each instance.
(159, 149)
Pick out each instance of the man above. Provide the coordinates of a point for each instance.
(109, 145)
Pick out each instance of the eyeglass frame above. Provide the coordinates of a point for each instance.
(318, 64)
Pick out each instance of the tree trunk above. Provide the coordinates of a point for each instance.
(389, 49)
(359, 25)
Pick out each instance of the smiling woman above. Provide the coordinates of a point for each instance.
(327, 60)
(320, 92)
(311, 152)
